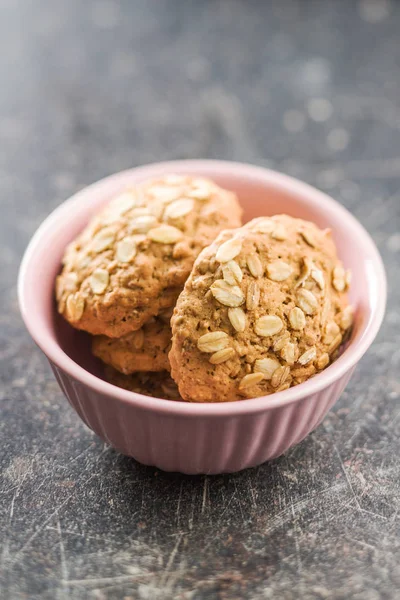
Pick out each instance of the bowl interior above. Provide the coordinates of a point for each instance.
(260, 192)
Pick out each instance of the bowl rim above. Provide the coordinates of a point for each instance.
(207, 167)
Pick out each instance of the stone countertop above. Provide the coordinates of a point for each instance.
(89, 88)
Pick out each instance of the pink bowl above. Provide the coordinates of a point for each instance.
(179, 436)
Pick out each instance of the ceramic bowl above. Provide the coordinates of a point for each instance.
(187, 437)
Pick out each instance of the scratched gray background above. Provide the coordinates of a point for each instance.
(95, 86)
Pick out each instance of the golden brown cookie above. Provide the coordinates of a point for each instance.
(264, 308)
(133, 258)
(157, 385)
(143, 350)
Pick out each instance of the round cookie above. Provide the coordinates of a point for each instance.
(157, 385)
(133, 258)
(264, 308)
(143, 350)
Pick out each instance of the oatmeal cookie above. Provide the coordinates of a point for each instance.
(133, 258)
(157, 385)
(143, 350)
(264, 308)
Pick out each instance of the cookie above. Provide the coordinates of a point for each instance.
(143, 350)
(157, 385)
(264, 308)
(133, 258)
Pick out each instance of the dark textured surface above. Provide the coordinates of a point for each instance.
(95, 86)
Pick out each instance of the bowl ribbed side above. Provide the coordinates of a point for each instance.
(212, 444)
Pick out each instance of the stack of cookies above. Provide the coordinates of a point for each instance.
(122, 276)
(169, 283)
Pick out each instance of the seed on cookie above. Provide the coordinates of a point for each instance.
(250, 379)
(289, 352)
(59, 288)
(308, 237)
(156, 208)
(202, 190)
(102, 240)
(339, 285)
(126, 250)
(142, 224)
(279, 270)
(178, 209)
(99, 281)
(83, 262)
(175, 179)
(119, 206)
(139, 239)
(232, 272)
(222, 356)
(264, 226)
(307, 356)
(307, 301)
(164, 193)
(69, 282)
(283, 387)
(338, 278)
(75, 307)
(253, 295)
(323, 361)
(279, 232)
(228, 250)
(326, 307)
(213, 341)
(331, 331)
(280, 375)
(228, 295)
(165, 234)
(268, 325)
(254, 265)
(266, 366)
(297, 318)
(237, 318)
(280, 341)
(346, 320)
(61, 305)
(307, 266)
(141, 211)
(318, 277)
(335, 343)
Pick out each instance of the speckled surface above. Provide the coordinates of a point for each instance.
(88, 88)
